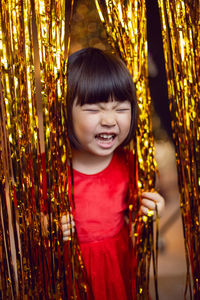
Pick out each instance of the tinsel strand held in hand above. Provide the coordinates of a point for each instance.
(181, 43)
(125, 23)
(33, 169)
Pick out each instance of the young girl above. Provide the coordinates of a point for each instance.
(102, 114)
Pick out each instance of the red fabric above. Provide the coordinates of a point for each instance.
(110, 266)
(107, 251)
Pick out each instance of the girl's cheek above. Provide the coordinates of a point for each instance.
(126, 122)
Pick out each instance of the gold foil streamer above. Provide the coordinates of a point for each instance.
(125, 23)
(53, 50)
(32, 263)
(17, 174)
(181, 43)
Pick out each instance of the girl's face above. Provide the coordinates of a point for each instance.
(101, 127)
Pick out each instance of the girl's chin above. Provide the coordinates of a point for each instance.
(103, 152)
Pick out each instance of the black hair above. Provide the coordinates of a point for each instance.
(95, 76)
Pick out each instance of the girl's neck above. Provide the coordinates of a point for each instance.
(88, 163)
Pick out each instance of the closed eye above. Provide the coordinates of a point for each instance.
(91, 110)
(122, 109)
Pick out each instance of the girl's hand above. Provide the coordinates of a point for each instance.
(149, 201)
(65, 220)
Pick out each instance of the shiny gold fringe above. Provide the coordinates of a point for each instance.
(181, 43)
(125, 23)
(33, 157)
(18, 151)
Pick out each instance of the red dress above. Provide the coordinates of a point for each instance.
(107, 251)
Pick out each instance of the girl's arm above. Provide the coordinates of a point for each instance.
(149, 202)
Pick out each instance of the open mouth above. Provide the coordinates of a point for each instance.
(105, 137)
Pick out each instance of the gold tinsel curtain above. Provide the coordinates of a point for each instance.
(34, 44)
(33, 151)
(181, 43)
(126, 26)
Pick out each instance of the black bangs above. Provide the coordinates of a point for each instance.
(98, 77)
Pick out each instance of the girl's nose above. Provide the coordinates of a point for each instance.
(108, 119)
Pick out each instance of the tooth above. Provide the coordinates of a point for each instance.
(106, 136)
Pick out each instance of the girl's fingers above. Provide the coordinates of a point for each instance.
(68, 226)
(65, 227)
(66, 238)
(144, 210)
(67, 232)
(66, 218)
(150, 200)
(156, 197)
(64, 222)
(149, 204)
